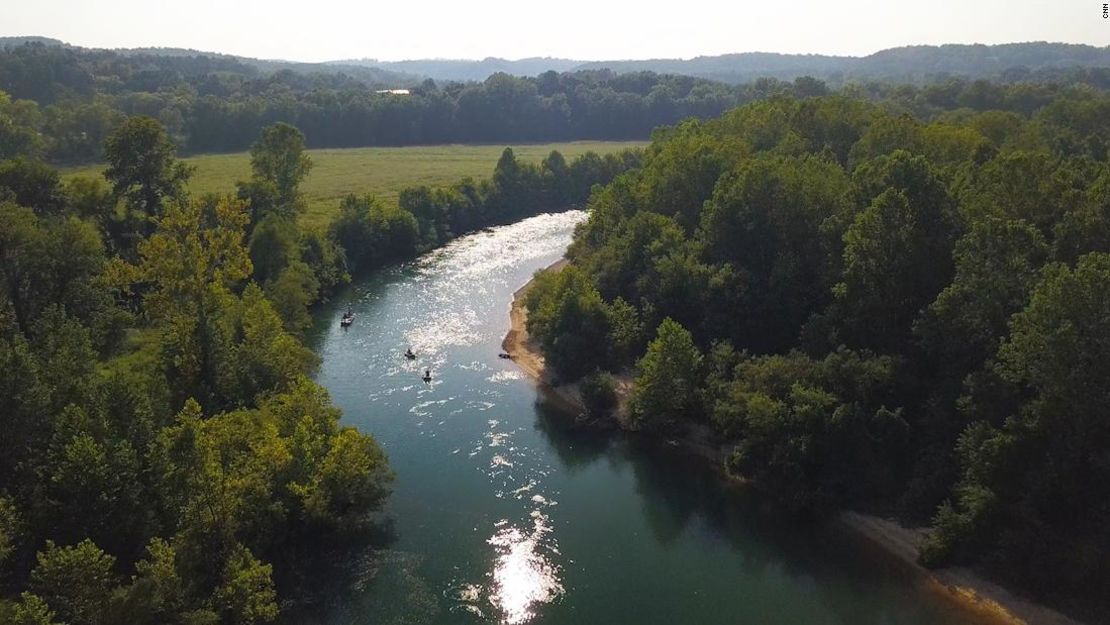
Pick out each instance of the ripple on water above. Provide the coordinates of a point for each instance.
(442, 302)
(524, 573)
(506, 376)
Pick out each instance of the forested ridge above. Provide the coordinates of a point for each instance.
(167, 458)
(62, 102)
(870, 309)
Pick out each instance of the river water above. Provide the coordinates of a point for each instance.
(503, 516)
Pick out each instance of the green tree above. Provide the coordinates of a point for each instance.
(372, 233)
(143, 169)
(568, 316)
(157, 593)
(19, 122)
(1032, 488)
(190, 266)
(665, 395)
(246, 595)
(30, 610)
(997, 264)
(278, 158)
(48, 261)
(9, 528)
(893, 267)
(75, 581)
(598, 395)
(351, 479)
(33, 184)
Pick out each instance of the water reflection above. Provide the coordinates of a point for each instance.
(524, 574)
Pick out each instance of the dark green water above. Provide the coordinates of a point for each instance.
(502, 516)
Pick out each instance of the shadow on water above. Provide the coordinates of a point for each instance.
(330, 572)
(575, 447)
(681, 493)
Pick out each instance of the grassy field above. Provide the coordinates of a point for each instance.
(382, 172)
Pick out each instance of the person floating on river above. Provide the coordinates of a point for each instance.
(427, 375)
(409, 354)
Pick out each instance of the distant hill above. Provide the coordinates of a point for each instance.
(368, 74)
(905, 64)
(8, 42)
(463, 70)
(910, 63)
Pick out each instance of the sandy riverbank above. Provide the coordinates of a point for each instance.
(960, 585)
(526, 353)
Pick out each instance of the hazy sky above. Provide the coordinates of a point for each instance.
(583, 29)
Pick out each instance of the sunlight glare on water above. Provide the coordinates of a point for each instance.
(469, 266)
(523, 575)
(503, 517)
(450, 301)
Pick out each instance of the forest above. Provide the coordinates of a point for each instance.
(881, 296)
(168, 458)
(62, 102)
(872, 310)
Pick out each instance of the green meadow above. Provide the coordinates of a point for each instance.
(382, 172)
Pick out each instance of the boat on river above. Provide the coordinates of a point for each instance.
(347, 320)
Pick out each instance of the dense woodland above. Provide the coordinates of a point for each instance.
(890, 297)
(63, 102)
(871, 310)
(167, 458)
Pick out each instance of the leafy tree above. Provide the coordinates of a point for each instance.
(570, 320)
(246, 594)
(1042, 472)
(997, 264)
(372, 233)
(75, 581)
(157, 593)
(274, 246)
(771, 220)
(626, 332)
(144, 170)
(894, 264)
(30, 610)
(598, 395)
(278, 158)
(19, 122)
(190, 264)
(814, 432)
(33, 184)
(45, 261)
(350, 480)
(9, 529)
(665, 395)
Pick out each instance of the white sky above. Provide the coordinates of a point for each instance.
(322, 30)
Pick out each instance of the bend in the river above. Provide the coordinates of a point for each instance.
(503, 516)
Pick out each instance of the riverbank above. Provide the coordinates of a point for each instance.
(526, 353)
(955, 584)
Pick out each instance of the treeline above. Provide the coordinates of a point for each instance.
(372, 233)
(63, 102)
(870, 310)
(166, 457)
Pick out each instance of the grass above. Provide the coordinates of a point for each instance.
(382, 172)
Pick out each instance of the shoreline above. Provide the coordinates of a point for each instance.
(523, 351)
(958, 585)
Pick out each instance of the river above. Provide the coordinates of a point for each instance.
(503, 516)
